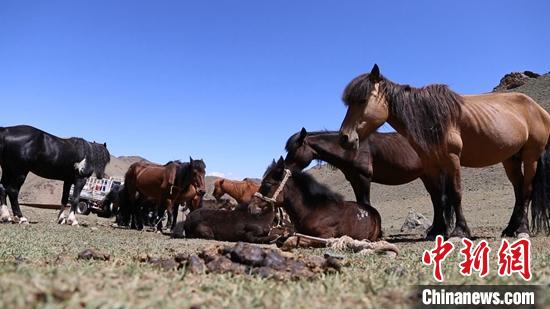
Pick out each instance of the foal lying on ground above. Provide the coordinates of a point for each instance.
(313, 208)
(231, 225)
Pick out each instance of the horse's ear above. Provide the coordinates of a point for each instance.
(303, 134)
(374, 75)
(105, 145)
(190, 159)
(281, 161)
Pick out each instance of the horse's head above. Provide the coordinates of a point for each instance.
(299, 153)
(271, 190)
(196, 201)
(101, 157)
(218, 190)
(367, 108)
(197, 170)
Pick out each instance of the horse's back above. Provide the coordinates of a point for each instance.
(495, 126)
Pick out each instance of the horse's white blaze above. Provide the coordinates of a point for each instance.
(4, 214)
(80, 166)
(71, 220)
(362, 214)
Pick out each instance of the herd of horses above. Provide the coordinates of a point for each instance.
(438, 131)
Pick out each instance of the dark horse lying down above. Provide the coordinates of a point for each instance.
(385, 158)
(313, 208)
(231, 225)
(25, 149)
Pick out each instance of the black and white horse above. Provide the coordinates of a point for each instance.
(25, 149)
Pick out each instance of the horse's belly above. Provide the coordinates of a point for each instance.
(479, 150)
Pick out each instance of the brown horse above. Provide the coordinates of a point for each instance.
(241, 191)
(171, 184)
(231, 225)
(313, 208)
(449, 130)
(386, 158)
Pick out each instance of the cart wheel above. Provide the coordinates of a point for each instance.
(83, 208)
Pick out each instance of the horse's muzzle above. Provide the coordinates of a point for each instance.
(349, 142)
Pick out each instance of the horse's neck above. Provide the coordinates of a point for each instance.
(398, 125)
(294, 202)
(327, 149)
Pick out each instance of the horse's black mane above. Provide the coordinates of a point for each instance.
(97, 155)
(426, 113)
(184, 168)
(314, 192)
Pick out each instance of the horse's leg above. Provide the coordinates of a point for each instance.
(455, 197)
(64, 201)
(175, 210)
(519, 222)
(161, 210)
(4, 212)
(434, 186)
(360, 184)
(78, 186)
(12, 184)
(512, 167)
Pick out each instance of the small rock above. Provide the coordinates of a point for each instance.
(90, 254)
(415, 221)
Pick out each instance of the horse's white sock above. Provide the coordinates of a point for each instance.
(61, 218)
(72, 219)
(21, 220)
(4, 214)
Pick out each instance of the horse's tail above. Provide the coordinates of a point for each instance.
(540, 205)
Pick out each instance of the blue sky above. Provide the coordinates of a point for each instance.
(230, 81)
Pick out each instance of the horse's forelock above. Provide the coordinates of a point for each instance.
(357, 91)
(199, 165)
(291, 142)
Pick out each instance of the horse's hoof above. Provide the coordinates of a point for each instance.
(61, 218)
(72, 219)
(21, 220)
(524, 235)
(508, 233)
(430, 237)
(460, 233)
(4, 214)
